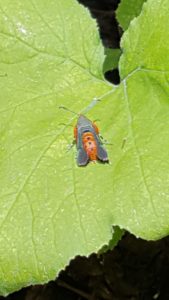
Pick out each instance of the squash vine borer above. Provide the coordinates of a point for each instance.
(88, 142)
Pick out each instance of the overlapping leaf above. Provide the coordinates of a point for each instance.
(127, 11)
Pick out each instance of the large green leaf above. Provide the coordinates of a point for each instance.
(127, 11)
(51, 55)
(51, 209)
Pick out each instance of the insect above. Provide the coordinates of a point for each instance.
(88, 142)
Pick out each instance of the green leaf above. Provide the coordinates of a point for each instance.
(127, 11)
(149, 47)
(51, 55)
(52, 210)
(111, 59)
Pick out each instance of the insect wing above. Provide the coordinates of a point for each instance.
(102, 154)
(82, 157)
(83, 121)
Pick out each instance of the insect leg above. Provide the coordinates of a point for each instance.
(70, 146)
(104, 141)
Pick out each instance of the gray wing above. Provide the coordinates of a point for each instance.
(82, 157)
(102, 154)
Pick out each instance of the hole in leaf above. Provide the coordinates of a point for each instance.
(113, 76)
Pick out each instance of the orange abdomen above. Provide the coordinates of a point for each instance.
(90, 145)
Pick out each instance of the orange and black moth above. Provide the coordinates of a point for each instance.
(88, 142)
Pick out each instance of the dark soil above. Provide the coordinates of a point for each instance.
(110, 32)
(135, 269)
(104, 12)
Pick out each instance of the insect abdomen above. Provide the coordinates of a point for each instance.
(89, 144)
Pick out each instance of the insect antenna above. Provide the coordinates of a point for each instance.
(65, 125)
(65, 108)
